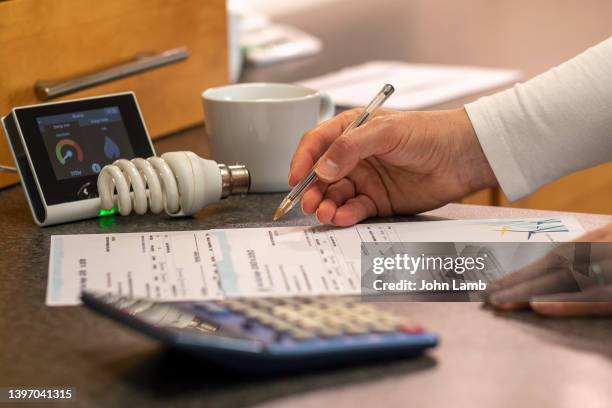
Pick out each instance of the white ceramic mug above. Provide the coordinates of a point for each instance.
(260, 125)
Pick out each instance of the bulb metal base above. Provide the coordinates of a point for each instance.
(235, 179)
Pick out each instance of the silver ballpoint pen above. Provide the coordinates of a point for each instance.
(295, 195)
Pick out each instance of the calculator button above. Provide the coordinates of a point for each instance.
(383, 327)
(411, 329)
(287, 314)
(250, 311)
(278, 301)
(320, 319)
(281, 325)
(306, 323)
(361, 320)
(261, 303)
(299, 334)
(260, 317)
(328, 332)
(235, 305)
(364, 309)
(355, 329)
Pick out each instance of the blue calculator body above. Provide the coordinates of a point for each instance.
(272, 334)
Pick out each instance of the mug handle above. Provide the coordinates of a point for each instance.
(328, 108)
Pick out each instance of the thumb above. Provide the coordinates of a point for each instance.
(373, 138)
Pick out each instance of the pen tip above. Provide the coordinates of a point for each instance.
(277, 214)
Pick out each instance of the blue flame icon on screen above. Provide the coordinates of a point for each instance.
(111, 150)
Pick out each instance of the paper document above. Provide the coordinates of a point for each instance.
(277, 43)
(272, 261)
(416, 85)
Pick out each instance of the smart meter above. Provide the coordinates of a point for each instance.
(59, 149)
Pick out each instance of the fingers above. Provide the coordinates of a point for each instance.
(312, 197)
(354, 210)
(542, 266)
(358, 182)
(342, 207)
(336, 195)
(550, 288)
(315, 142)
(558, 280)
(572, 309)
(377, 137)
(595, 301)
(506, 306)
(326, 211)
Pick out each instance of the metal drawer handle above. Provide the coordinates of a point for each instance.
(52, 89)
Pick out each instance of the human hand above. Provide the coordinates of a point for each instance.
(397, 163)
(556, 286)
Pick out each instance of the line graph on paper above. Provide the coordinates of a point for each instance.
(529, 227)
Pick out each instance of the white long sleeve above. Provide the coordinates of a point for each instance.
(554, 124)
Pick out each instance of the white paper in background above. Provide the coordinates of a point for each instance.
(416, 85)
(274, 261)
(277, 43)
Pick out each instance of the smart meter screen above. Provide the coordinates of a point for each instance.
(81, 143)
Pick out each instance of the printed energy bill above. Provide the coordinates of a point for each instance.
(274, 261)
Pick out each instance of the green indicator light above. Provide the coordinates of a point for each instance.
(106, 213)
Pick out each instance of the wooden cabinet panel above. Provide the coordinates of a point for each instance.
(482, 197)
(54, 40)
(586, 191)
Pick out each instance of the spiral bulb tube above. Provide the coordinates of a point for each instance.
(181, 183)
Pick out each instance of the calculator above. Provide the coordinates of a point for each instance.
(272, 334)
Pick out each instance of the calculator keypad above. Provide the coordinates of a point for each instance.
(305, 318)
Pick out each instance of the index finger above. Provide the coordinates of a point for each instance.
(316, 142)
